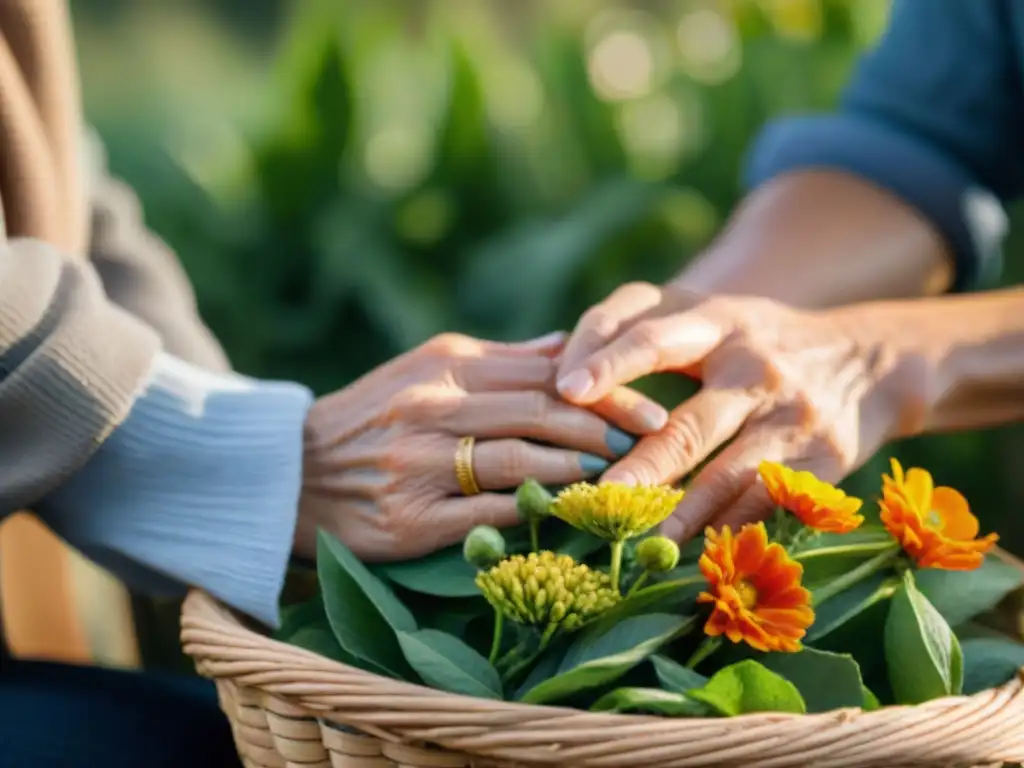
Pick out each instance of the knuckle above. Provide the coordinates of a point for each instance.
(645, 334)
(517, 459)
(599, 323)
(451, 345)
(684, 435)
(538, 408)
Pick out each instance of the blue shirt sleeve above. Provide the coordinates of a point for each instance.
(198, 486)
(935, 115)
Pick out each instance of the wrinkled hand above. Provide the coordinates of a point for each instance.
(815, 391)
(379, 463)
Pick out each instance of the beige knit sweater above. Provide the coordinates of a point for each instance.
(87, 295)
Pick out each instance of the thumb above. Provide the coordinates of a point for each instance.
(667, 343)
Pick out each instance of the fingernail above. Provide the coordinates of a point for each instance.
(672, 529)
(618, 442)
(576, 384)
(592, 465)
(547, 340)
(653, 416)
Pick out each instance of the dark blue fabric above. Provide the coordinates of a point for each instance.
(59, 716)
(935, 114)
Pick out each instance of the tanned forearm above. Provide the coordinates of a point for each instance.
(818, 239)
(961, 357)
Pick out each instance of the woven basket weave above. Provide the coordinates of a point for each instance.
(290, 708)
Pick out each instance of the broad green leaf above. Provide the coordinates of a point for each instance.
(962, 595)
(664, 597)
(305, 625)
(921, 652)
(847, 605)
(989, 663)
(747, 687)
(826, 681)
(674, 676)
(651, 701)
(594, 661)
(871, 702)
(364, 614)
(447, 663)
(443, 574)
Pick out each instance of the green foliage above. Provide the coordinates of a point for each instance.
(447, 663)
(747, 687)
(825, 680)
(924, 657)
(990, 662)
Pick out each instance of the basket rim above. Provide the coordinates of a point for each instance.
(223, 648)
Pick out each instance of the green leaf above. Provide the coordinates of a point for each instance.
(826, 680)
(594, 661)
(674, 676)
(989, 663)
(663, 597)
(747, 687)
(447, 663)
(962, 595)
(650, 700)
(921, 652)
(364, 614)
(442, 574)
(871, 702)
(850, 604)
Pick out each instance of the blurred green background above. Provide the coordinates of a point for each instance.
(344, 179)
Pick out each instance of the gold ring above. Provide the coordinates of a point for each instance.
(464, 467)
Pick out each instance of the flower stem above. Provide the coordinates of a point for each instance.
(515, 669)
(864, 548)
(511, 656)
(499, 625)
(856, 575)
(616, 548)
(638, 583)
(535, 535)
(705, 649)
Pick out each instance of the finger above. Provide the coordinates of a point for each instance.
(753, 505)
(456, 517)
(724, 480)
(550, 345)
(536, 415)
(631, 411)
(505, 464)
(606, 320)
(667, 343)
(506, 372)
(694, 431)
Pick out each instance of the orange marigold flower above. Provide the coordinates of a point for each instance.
(817, 504)
(933, 525)
(755, 588)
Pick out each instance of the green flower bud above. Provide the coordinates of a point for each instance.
(484, 547)
(533, 501)
(657, 554)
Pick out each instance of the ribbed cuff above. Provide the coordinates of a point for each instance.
(199, 486)
(971, 218)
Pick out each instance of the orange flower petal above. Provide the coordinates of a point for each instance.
(957, 520)
(815, 503)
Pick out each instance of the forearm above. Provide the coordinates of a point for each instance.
(819, 239)
(960, 358)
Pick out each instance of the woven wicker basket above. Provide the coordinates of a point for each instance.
(290, 708)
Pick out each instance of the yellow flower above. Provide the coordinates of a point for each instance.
(613, 511)
(933, 525)
(814, 502)
(551, 592)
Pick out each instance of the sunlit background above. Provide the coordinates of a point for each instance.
(343, 179)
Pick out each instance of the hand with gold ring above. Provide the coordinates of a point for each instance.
(413, 455)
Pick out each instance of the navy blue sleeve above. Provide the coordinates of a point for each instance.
(935, 115)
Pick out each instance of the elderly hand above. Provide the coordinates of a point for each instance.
(815, 391)
(380, 457)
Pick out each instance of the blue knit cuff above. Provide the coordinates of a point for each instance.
(971, 218)
(199, 486)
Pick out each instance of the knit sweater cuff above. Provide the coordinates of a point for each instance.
(199, 486)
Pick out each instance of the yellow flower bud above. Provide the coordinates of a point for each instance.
(657, 554)
(484, 547)
(534, 590)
